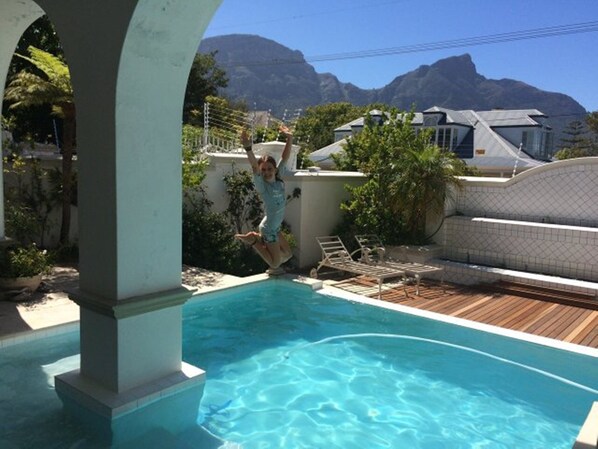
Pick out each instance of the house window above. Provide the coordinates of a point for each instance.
(431, 120)
(446, 138)
(527, 141)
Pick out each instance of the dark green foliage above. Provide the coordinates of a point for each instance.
(208, 242)
(244, 209)
(315, 129)
(34, 122)
(577, 140)
(208, 237)
(407, 179)
(205, 78)
(48, 82)
(24, 261)
(29, 202)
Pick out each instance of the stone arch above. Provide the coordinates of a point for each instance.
(129, 63)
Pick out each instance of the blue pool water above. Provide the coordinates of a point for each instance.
(289, 368)
(293, 370)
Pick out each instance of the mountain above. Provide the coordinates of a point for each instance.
(268, 75)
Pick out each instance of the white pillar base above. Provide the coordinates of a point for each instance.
(167, 406)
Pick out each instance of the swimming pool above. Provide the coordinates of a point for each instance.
(287, 367)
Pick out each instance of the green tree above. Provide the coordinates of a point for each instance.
(592, 123)
(205, 78)
(32, 123)
(194, 164)
(407, 179)
(50, 83)
(315, 129)
(575, 142)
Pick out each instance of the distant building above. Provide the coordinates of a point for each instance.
(496, 142)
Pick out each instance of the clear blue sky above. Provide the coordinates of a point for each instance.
(565, 63)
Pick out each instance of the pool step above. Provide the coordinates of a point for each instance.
(544, 293)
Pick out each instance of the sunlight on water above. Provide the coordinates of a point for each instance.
(288, 368)
(322, 381)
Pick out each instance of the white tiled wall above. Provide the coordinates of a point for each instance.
(542, 221)
(563, 192)
(560, 250)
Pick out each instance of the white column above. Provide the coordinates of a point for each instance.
(129, 62)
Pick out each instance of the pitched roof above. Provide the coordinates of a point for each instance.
(452, 117)
(498, 152)
(510, 118)
(323, 156)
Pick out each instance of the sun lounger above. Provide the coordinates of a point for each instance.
(374, 253)
(336, 256)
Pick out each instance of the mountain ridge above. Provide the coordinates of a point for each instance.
(270, 76)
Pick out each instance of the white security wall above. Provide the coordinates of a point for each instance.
(317, 211)
(544, 220)
(562, 192)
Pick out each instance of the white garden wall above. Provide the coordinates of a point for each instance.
(316, 212)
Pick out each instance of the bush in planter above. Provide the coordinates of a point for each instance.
(24, 261)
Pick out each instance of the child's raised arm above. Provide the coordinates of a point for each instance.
(286, 153)
(246, 142)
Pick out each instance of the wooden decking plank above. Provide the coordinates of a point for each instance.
(588, 318)
(488, 311)
(511, 307)
(591, 340)
(588, 335)
(549, 307)
(473, 304)
(535, 314)
(552, 327)
(509, 310)
(446, 305)
(548, 319)
(568, 325)
(524, 314)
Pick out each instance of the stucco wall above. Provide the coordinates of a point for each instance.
(316, 212)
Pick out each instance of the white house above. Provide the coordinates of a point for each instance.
(497, 142)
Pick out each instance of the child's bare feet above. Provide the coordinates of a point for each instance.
(250, 238)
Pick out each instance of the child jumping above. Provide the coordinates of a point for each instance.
(269, 243)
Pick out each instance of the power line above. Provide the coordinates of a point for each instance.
(536, 33)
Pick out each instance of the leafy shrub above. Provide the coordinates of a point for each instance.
(208, 242)
(24, 261)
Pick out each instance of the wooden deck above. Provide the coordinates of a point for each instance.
(517, 311)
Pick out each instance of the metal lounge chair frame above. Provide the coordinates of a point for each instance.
(373, 252)
(335, 255)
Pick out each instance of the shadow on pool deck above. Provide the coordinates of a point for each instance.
(50, 304)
